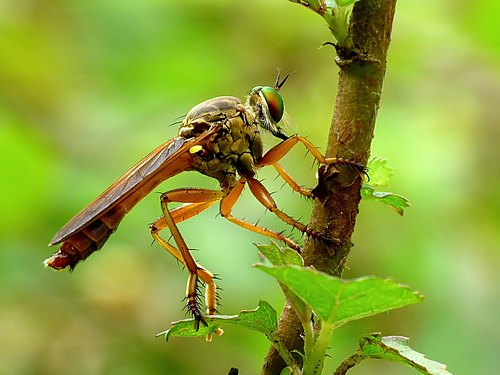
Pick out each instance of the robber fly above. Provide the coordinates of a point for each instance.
(220, 138)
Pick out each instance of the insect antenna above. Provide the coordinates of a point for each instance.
(177, 120)
(279, 84)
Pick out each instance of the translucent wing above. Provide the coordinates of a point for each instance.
(170, 158)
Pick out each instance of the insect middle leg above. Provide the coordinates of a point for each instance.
(291, 182)
(196, 201)
(264, 197)
(229, 201)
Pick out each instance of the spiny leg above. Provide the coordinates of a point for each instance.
(229, 201)
(291, 182)
(276, 153)
(197, 200)
(273, 156)
(264, 197)
(184, 212)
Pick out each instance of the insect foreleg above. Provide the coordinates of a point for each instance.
(196, 201)
(276, 153)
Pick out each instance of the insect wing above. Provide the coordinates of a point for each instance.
(132, 181)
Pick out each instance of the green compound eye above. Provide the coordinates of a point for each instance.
(274, 102)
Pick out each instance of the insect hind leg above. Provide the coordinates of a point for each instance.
(196, 200)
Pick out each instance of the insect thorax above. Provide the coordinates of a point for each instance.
(233, 150)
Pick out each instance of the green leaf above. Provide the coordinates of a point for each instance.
(344, 3)
(186, 328)
(335, 16)
(262, 319)
(337, 301)
(396, 348)
(280, 255)
(380, 173)
(395, 201)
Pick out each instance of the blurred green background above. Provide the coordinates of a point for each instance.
(89, 87)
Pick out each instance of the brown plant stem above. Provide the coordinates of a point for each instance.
(362, 63)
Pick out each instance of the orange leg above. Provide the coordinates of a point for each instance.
(276, 153)
(196, 201)
(229, 201)
(291, 182)
(264, 197)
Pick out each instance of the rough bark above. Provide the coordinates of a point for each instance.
(362, 63)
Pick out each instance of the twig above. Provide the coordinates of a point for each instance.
(362, 71)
